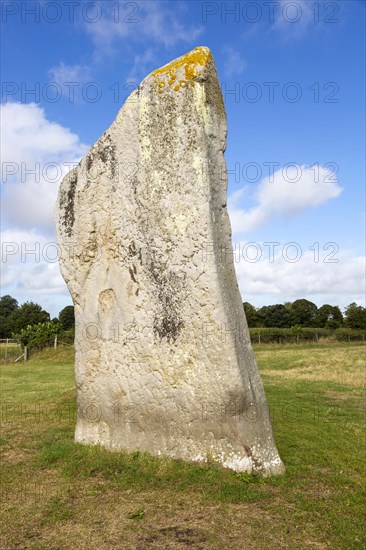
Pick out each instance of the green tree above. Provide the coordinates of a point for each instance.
(276, 316)
(67, 318)
(28, 313)
(251, 315)
(329, 317)
(355, 316)
(304, 313)
(8, 305)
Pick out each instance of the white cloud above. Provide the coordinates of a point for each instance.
(27, 133)
(32, 143)
(264, 282)
(62, 73)
(30, 270)
(285, 194)
(294, 18)
(234, 63)
(70, 79)
(152, 20)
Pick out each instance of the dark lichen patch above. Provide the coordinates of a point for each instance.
(106, 151)
(89, 161)
(67, 204)
(168, 326)
(102, 153)
(133, 272)
(168, 287)
(133, 251)
(107, 155)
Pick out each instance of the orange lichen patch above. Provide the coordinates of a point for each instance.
(188, 66)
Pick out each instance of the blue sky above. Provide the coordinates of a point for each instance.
(293, 80)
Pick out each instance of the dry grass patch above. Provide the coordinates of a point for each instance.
(343, 366)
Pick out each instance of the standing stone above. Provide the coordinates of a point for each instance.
(163, 360)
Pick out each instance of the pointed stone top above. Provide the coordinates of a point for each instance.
(181, 72)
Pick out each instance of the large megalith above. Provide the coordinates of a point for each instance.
(163, 358)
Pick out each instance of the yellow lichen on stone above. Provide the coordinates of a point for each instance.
(189, 67)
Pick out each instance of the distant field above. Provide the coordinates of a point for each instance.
(57, 495)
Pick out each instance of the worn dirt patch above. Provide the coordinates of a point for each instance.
(173, 537)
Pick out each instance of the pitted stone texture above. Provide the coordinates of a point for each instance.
(163, 356)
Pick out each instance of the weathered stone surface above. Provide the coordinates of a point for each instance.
(163, 357)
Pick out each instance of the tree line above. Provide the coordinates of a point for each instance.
(303, 313)
(15, 318)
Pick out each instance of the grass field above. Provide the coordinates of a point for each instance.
(58, 495)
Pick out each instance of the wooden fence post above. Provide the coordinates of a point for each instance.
(55, 342)
(25, 353)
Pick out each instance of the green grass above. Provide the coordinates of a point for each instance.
(59, 495)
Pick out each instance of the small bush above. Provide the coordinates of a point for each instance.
(39, 336)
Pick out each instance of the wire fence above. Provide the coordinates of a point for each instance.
(12, 351)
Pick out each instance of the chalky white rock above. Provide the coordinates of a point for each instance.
(163, 360)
